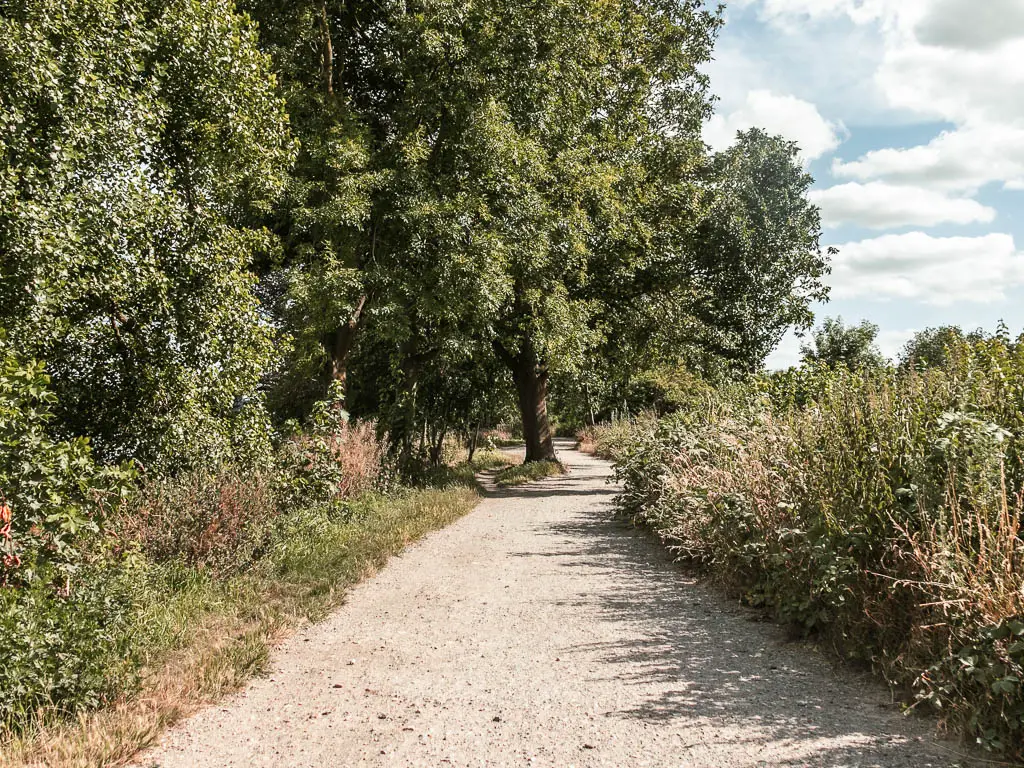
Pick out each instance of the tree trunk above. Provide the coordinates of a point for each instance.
(531, 379)
(437, 449)
(474, 438)
(327, 60)
(339, 344)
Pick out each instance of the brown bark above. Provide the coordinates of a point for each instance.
(339, 344)
(531, 379)
(327, 64)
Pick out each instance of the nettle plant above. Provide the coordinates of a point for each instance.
(54, 498)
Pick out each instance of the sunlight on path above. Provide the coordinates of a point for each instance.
(538, 631)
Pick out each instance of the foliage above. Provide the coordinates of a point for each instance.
(138, 139)
(878, 510)
(200, 638)
(54, 499)
(218, 521)
(833, 343)
(62, 612)
(315, 285)
(67, 653)
(757, 263)
(932, 347)
(333, 459)
(78, 540)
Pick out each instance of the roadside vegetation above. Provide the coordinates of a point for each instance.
(875, 507)
(277, 278)
(149, 597)
(525, 473)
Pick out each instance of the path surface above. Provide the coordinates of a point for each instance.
(538, 631)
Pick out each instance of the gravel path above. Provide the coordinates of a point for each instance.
(538, 631)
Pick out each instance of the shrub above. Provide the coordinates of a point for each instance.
(880, 511)
(63, 617)
(333, 460)
(219, 521)
(65, 653)
(609, 441)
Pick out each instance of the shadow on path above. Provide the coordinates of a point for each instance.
(708, 664)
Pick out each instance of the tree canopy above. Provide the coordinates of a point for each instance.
(139, 140)
(835, 343)
(213, 216)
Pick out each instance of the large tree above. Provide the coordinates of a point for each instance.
(757, 265)
(137, 138)
(314, 285)
(530, 176)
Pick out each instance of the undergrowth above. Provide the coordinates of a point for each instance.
(880, 512)
(128, 600)
(199, 637)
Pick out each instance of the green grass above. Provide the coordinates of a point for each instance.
(525, 473)
(203, 638)
(464, 473)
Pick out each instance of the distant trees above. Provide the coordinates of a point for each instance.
(835, 343)
(931, 347)
(757, 264)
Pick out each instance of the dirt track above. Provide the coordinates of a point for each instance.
(537, 631)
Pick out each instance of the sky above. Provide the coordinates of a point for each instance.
(910, 116)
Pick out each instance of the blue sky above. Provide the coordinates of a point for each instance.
(910, 116)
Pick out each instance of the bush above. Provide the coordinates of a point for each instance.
(215, 521)
(610, 441)
(65, 653)
(333, 460)
(880, 511)
(79, 541)
(63, 617)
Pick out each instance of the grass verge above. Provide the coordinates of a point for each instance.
(209, 636)
(525, 473)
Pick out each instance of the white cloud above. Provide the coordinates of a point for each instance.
(788, 116)
(892, 342)
(878, 205)
(956, 85)
(786, 11)
(934, 270)
(786, 354)
(964, 159)
(969, 24)
(955, 61)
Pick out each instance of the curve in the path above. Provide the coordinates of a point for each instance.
(539, 631)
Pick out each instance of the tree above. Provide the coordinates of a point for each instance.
(582, 131)
(528, 177)
(138, 138)
(757, 264)
(834, 343)
(931, 347)
(314, 286)
(509, 145)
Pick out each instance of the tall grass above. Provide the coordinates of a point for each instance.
(880, 512)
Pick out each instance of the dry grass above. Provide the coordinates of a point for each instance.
(225, 631)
